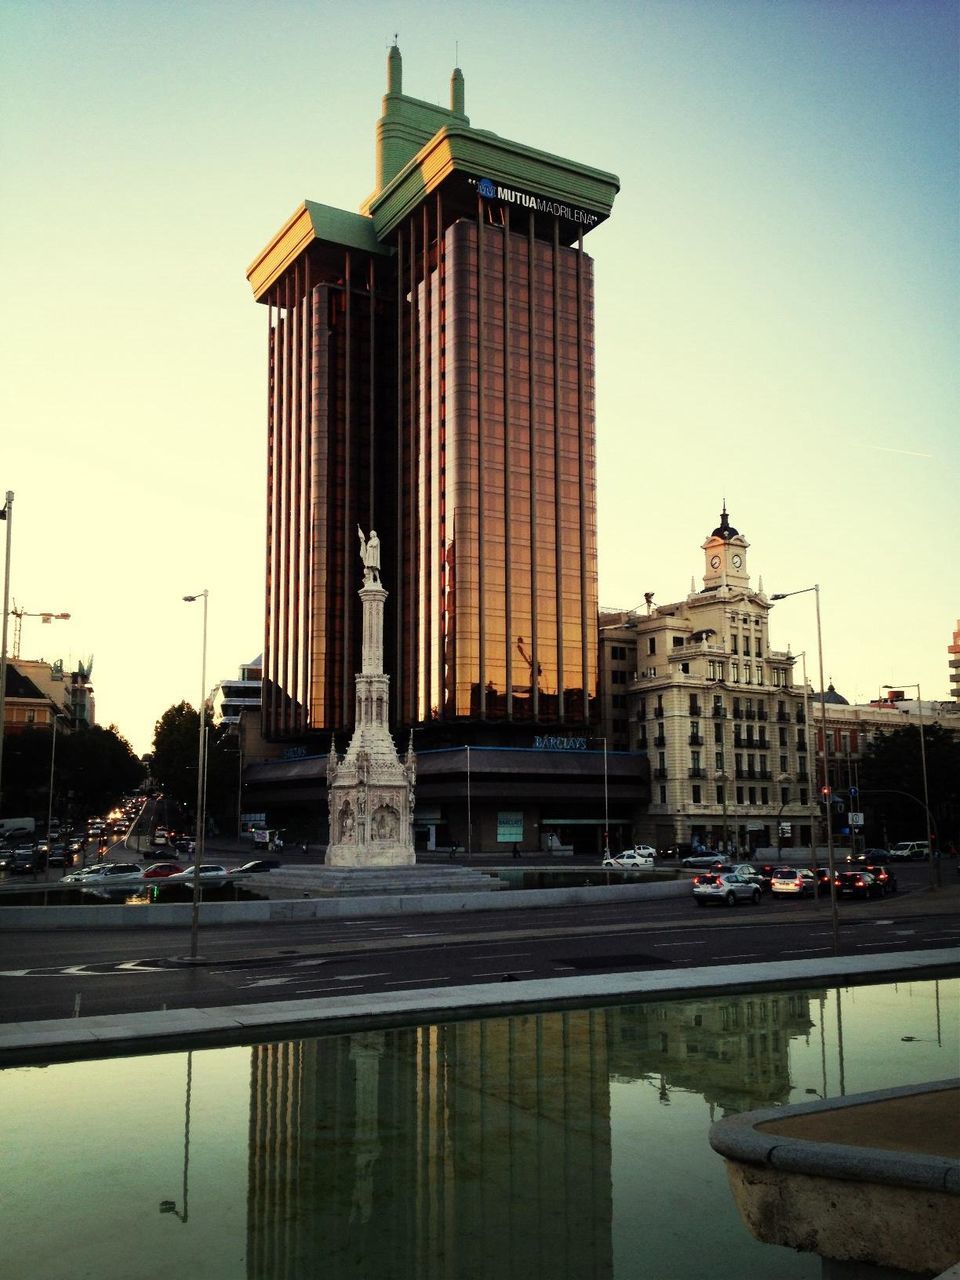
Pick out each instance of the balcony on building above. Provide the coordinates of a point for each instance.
(658, 713)
(719, 713)
(695, 740)
(783, 716)
(696, 710)
(800, 717)
(696, 773)
(660, 740)
(660, 773)
(762, 713)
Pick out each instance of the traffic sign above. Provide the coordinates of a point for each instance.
(854, 791)
(855, 819)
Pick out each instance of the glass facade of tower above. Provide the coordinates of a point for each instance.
(431, 374)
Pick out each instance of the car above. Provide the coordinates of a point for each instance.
(724, 888)
(747, 871)
(629, 858)
(115, 873)
(856, 884)
(28, 861)
(797, 881)
(883, 875)
(876, 856)
(257, 865)
(715, 860)
(7, 856)
(208, 871)
(159, 836)
(161, 870)
(82, 873)
(184, 844)
(822, 877)
(57, 855)
(910, 850)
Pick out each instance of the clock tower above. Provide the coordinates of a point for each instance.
(725, 552)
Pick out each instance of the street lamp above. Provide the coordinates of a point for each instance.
(606, 798)
(201, 781)
(785, 595)
(784, 780)
(6, 515)
(931, 832)
(723, 779)
(53, 755)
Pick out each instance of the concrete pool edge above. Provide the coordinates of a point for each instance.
(174, 1030)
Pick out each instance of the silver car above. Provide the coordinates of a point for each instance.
(725, 888)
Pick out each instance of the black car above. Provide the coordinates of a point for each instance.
(27, 862)
(57, 856)
(856, 884)
(258, 864)
(884, 876)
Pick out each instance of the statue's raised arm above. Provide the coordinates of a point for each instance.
(363, 547)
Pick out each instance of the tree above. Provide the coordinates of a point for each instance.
(94, 767)
(891, 783)
(175, 750)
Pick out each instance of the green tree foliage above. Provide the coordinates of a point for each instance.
(93, 768)
(174, 766)
(891, 783)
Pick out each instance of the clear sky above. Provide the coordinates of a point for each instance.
(776, 298)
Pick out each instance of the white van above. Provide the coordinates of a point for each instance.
(912, 849)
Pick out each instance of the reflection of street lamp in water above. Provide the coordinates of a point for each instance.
(170, 1206)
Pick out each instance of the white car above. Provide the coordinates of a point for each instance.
(724, 888)
(641, 856)
(208, 871)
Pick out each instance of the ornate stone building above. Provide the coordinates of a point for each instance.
(698, 688)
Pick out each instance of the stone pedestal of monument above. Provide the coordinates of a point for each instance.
(371, 791)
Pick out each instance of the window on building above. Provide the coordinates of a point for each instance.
(747, 675)
(764, 760)
(759, 679)
(684, 667)
(804, 793)
(618, 652)
(718, 731)
(663, 790)
(751, 795)
(733, 649)
(783, 759)
(619, 700)
(784, 791)
(719, 787)
(844, 741)
(734, 675)
(764, 791)
(781, 733)
(661, 758)
(737, 758)
(751, 762)
(616, 677)
(677, 644)
(739, 793)
(641, 714)
(642, 736)
(695, 791)
(694, 756)
(651, 646)
(718, 756)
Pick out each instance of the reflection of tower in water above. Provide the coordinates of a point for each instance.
(468, 1150)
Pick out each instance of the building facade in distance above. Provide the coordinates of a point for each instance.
(696, 686)
(431, 376)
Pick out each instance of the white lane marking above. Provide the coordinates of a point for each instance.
(431, 933)
(316, 991)
(743, 955)
(498, 973)
(348, 977)
(806, 951)
(417, 982)
(692, 942)
(266, 982)
(498, 955)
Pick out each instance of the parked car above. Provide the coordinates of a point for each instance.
(82, 873)
(715, 860)
(884, 877)
(257, 865)
(856, 884)
(724, 888)
(797, 881)
(630, 858)
(208, 871)
(160, 870)
(910, 850)
(116, 873)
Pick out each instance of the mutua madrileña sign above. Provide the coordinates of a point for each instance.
(487, 189)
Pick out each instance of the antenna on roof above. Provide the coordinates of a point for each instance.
(456, 53)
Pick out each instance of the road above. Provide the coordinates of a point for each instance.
(54, 974)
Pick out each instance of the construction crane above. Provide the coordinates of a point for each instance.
(18, 614)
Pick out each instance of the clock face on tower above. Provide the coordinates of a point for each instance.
(714, 562)
(737, 561)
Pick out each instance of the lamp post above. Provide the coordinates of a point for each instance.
(606, 800)
(53, 755)
(785, 595)
(722, 779)
(931, 830)
(784, 780)
(201, 781)
(6, 515)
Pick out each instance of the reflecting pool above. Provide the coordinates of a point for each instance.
(560, 1145)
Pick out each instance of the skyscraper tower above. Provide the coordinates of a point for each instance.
(431, 372)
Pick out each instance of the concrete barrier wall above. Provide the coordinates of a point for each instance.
(296, 910)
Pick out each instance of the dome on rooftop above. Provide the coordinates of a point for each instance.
(725, 529)
(837, 699)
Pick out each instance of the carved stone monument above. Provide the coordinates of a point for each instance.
(371, 791)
